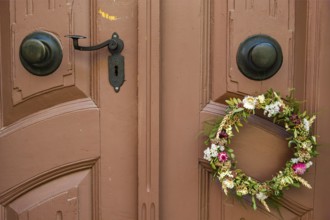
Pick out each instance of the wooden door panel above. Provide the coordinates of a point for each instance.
(252, 17)
(50, 125)
(69, 134)
(67, 197)
(235, 21)
(34, 15)
(24, 93)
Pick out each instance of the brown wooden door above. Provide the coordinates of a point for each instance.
(199, 41)
(72, 148)
(68, 146)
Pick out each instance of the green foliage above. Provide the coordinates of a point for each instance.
(210, 129)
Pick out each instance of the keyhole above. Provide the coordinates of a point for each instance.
(116, 70)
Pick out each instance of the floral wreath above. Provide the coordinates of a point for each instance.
(222, 159)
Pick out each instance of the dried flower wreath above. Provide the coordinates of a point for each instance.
(222, 159)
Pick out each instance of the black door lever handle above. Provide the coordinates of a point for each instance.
(116, 61)
(115, 44)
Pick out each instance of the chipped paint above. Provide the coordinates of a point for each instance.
(107, 16)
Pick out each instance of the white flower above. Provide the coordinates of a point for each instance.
(309, 164)
(228, 183)
(224, 174)
(214, 150)
(273, 109)
(261, 99)
(249, 102)
(222, 148)
(295, 160)
(214, 147)
(207, 154)
(306, 124)
(261, 196)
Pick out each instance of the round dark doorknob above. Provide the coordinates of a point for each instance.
(259, 57)
(263, 55)
(40, 53)
(34, 51)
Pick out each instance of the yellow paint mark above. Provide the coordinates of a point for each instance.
(107, 16)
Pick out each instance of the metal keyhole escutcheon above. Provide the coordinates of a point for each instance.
(40, 53)
(116, 62)
(259, 57)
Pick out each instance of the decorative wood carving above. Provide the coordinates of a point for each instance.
(149, 95)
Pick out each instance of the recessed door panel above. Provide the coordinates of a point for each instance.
(68, 197)
(235, 22)
(25, 93)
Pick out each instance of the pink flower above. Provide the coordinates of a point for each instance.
(223, 156)
(299, 168)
